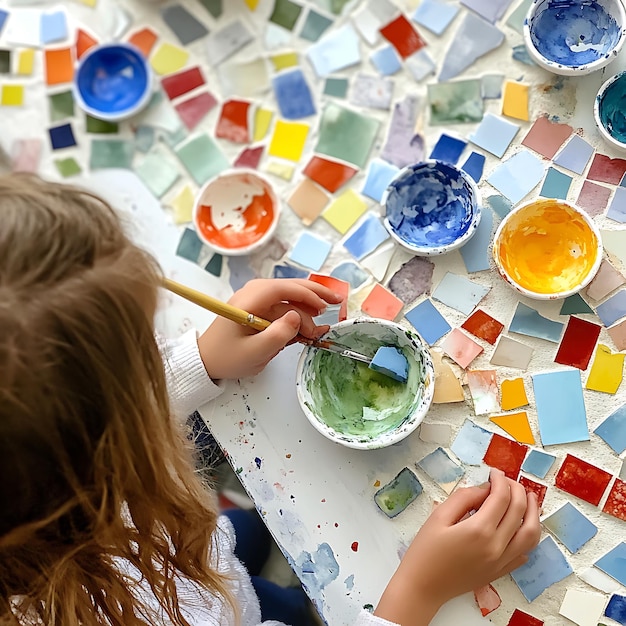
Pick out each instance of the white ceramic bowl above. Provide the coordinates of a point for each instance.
(609, 111)
(333, 390)
(574, 38)
(236, 213)
(432, 208)
(547, 249)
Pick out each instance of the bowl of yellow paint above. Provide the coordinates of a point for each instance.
(547, 249)
(356, 406)
(236, 212)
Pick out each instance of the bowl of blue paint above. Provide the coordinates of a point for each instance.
(610, 110)
(355, 405)
(574, 37)
(432, 208)
(113, 82)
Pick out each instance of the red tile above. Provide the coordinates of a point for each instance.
(604, 169)
(233, 123)
(249, 157)
(483, 326)
(578, 343)
(519, 618)
(581, 479)
(329, 174)
(615, 504)
(593, 198)
(506, 455)
(534, 487)
(338, 286)
(402, 36)
(382, 303)
(193, 110)
(177, 84)
(546, 137)
(487, 599)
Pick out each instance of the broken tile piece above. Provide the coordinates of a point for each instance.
(582, 479)
(447, 386)
(428, 321)
(168, 59)
(519, 618)
(12, 95)
(575, 155)
(574, 305)
(601, 581)
(460, 348)
(180, 83)
(617, 208)
(382, 304)
(293, 94)
(202, 158)
(491, 10)
(285, 13)
(193, 110)
(25, 62)
(436, 433)
(386, 60)
(398, 493)
(228, 40)
(413, 279)
(483, 326)
(613, 308)
(331, 175)
(310, 251)
(336, 87)
(366, 237)
(420, 64)
(68, 167)
(604, 169)
(494, 134)
(144, 40)
(53, 27)
(616, 609)
(605, 281)
(511, 353)
(455, 102)
(442, 469)
(25, 155)
(183, 24)
(182, 205)
(560, 407)
(335, 51)
(546, 137)
(546, 566)
(402, 36)
(459, 292)
(307, 201)
(556, 184)
(435, 15)
(618, 335)
(528, 321)
(506, 455)
(345, 210)
(59, 66)
(515, 100)
(532, 486)
(315, 25)
(606, 371)
(518, 175)
(613, 430)
(474, 166)
(538, 463)
(403, 145)
(516, 425)
(614, 242)
(448, 149)
(62, 137)
(158, 172)
(578, 343)
(379, 175)
(613, 563)
(351, 273)
(288, 140)
(234, 122)
(581, 607)
(374, 92)
(615, 504)
(593, 198)
(249, 157)
(471, 443)
(513, 394)
(484, 391)
(487, 599)
(377, 262)
(189, 246)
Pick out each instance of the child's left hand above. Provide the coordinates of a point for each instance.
(230, 350)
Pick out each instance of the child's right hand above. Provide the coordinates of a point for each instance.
(453, 554)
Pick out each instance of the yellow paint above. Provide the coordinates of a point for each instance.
(183, 206)
(345, 210)
(252, 4)
(168, 59)
(515, 100)
(262, 121)
(607, 371)
(288, 140)
(546, 247)
(282, 170)
(516, 425)
(513, 394)
(12, 95)
(25, 62)
(447, 386)
(284, 60)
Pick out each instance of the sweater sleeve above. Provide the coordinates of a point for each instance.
(188, 383)
(365, 618)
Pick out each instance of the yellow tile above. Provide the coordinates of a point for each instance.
(282, 170)
(516, 425)
(513, 394)
(168, 59)
(515, 100)
(284, 60)
(12, 95)
(89, 3)
(447, 386)
(607, 371)
(262, 121)
(252, 4)
(183, 206)
(345, 210)
(288, 140)
(25, 62)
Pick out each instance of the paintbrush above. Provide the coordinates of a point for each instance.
(253, 321)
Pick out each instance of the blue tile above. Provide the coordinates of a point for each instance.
(53, 27)
(474, 166)
(527, 321)
(351, 273)
(570, 527)
(428, 322)
(62, 137)
(386, 60)
(442, 469)
(471, 443)
(379, 175)
(613, 309)
(538, 463)
(366, 237)
(288, 271)
(310, 251)
(3, 18)
(435, 15)
(556, 184)
(616, 609)
(613, 430)
(189, 246)
(613, 563)
(448, 149)
(397, 494)
(293, 95)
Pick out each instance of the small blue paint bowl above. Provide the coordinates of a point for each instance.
(431, 208)
(574, 37)
(113, 82)
(609, 110)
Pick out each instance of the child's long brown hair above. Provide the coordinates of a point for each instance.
(92, 467)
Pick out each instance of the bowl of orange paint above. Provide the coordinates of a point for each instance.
(547, 249)
(236, 212)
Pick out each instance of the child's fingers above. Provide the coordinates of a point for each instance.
(528, 533)
(267, 344)
(459, 504)
(512, 519)
(497, 503)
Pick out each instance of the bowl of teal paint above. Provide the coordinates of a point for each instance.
(610, 110)
(432, 208)
(573, 38)
(356, 406)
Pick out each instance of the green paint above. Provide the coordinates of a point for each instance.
(61, 106)
(342, 390)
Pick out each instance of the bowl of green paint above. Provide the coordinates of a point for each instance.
(610, 110)
(353, 404)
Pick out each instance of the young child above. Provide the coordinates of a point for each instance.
(103, 519)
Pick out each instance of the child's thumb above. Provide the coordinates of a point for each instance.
(281, 331)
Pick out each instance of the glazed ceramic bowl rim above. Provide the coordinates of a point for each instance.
(389, 437)
(119, 115)
(560, 294)
(596, 109)
(573, 70)
(259, 243)
(457, 243)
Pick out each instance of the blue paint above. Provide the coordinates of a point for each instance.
(316, 570)
(573, 32)
(612, 108)
(430, 205)
(112, 81)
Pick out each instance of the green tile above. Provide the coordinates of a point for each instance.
(68, 167)
(455, 102)
(337, 87)
(203, 158)
(107, 153)
(144, 138)
(5, 61)
(315, 25)
(189, 246)
(61, 106)
(214, 266)
(214, 7)
(176, 137)
(334, 6)
(346, 135)
(285, 13)
(158, 172)
(101, 127)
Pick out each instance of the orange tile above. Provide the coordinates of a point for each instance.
(329, 174)
(84, 41)
(144, 39)
(234, 122)
(382, 304)
(59, 66)
(338, 286)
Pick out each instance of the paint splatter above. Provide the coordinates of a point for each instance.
(258, 462)
(316, 571)
(355, 546)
